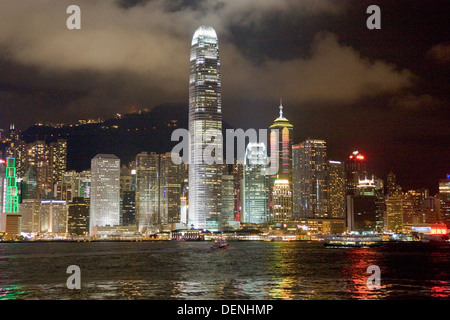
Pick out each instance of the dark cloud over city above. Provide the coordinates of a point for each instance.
(384, 92)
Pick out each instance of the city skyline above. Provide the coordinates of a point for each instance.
(224, 150)
(339, 81)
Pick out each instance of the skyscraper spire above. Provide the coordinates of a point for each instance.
(281, 108)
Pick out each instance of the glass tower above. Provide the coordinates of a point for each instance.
(105, 191)
(147, 191)
(205, 113)
(310, 179)
(255, 189)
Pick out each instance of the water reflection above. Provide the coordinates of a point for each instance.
(356, 274)
(441, 289)
(11, 292)
(247, 270)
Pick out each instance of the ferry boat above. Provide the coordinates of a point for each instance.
(220, 244)
(349, 241)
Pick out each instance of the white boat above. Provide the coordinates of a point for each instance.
(220, 244)
(352, 241)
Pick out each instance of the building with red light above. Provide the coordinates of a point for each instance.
(356, 169)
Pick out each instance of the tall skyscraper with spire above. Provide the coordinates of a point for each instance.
(281, 140)
(205, 113)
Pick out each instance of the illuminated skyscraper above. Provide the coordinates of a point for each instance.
(147, 190)
(227, 199)
(169, 189)
(38, 155)
(356, 169)
(444, 197)
(281, 200)
(2, 185)
(336, 183)
(30, 210)
(255, 185)
(365, 208)
(105, 191)
(58, 158)
(310, 179)
(10, 217)
(53, 216)
(78, 217)
(285, 141)
(17, 150)
(281, 140)
(394, 213)
(205, 113)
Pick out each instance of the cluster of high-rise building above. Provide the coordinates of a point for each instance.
(303, 190)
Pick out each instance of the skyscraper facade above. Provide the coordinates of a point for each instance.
(105, 191)
(78, 217)
(336, 183)
(356, 169)
(58, 158)
(281, 141)
(227, 199)
(444, 198)
(147, 190)
(169, 189)
(394, 214)
(255, 186)
(10, 217)
(205, 113)
(17, 150)
(310, 179)
(53, 216)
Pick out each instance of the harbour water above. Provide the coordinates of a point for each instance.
(246, 270)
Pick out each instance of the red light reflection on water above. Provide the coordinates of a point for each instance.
(441, 291)
(359, 259)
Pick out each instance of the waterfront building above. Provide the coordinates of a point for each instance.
(30, 210)
(129, 208)
(336, 182)
(78, 217)
(281, 201)
(227, 215)
(281, 141)
(147, 191)
(356, 169)
(105, 191)
(170, 176)
(53, 216)
(205, 113)
(310, 179)
(10, 217)
(394, 213)
(444, 198)
(255, 187)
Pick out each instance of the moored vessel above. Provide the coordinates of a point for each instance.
(349, 241)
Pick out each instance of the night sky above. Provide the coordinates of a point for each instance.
(383, 92)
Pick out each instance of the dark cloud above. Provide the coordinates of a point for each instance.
(440, 53)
